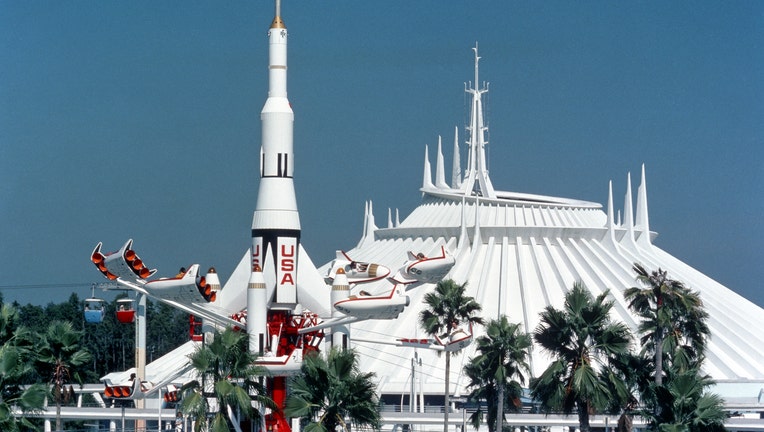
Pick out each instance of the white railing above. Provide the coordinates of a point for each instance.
(391, 420)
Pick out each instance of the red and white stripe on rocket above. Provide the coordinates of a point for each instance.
(285, 265)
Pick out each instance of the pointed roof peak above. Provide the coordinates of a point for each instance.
(427, 175)
(440, 174)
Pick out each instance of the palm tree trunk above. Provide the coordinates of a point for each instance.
(658, 340)
(658, 366)
(625, 423)
(446, 402)
(583, 416)
(500, 409)
(58, 416)
(659, 357)
(57, 398)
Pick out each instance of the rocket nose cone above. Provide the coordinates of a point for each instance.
(277, 23)
(256, 277)
(340, 278)
(378, 270)
(213, 280)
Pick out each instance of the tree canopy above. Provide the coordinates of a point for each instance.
(497, 373)
(330, 389)
(582, 341)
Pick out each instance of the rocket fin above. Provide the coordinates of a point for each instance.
(234, 292)
(269, 274)
(312, 292)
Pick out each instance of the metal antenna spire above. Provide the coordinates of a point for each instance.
(477, 59)
(476, 179)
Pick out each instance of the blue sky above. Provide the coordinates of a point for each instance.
(141, 120)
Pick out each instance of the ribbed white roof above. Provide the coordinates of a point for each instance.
(521, 257)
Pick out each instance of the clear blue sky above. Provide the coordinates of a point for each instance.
(140, 120)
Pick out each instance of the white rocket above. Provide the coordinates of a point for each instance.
(340, 291)
(276, 222)
(288, 285)
(257, 314)
(292, 282)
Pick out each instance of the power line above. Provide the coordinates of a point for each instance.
(56, 285)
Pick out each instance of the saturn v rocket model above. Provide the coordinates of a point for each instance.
(276, 222)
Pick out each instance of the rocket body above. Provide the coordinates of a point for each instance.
(276, 222)
(340, 291)
(257, 315)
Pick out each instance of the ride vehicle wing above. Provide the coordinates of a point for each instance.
(458, 339)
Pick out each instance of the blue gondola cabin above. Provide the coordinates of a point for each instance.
(94, 310)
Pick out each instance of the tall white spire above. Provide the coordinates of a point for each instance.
(610, 216)
(440, 171)
(427, 175)
(369, 226)
(476, 178)
(628, 213)
(456, 170)
(642, 220)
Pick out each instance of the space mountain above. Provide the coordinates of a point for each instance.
(519, 253)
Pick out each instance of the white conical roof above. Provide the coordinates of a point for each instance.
(519, 253)
(527, 256)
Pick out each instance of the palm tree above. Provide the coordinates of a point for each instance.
(447, 308)
(329, 390)
(61, 358)
(500, 365)
(28, 399)
(673, 319)
(482, 388)
(226, 367)
(15, 368)
(632, 371)
(674, 333)
(686, 405)
(583, 341)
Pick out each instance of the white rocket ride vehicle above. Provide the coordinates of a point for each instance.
(356, 271)
(423, 269)
(362, 306)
